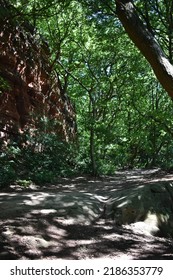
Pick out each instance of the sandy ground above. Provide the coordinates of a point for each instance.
(41, 222)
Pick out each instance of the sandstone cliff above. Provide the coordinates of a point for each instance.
(29, 89)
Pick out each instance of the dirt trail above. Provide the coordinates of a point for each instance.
(64, 221)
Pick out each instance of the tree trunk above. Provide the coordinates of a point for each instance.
(92, 152)
(92, 111)
(146, 43)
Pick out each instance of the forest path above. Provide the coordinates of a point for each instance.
(64, 221)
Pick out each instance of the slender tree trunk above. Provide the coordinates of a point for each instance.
(92, 135)
(92, 152)
(146, 43)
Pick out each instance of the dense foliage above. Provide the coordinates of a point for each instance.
(39, 157)
(124, 117)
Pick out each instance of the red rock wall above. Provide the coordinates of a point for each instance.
(33, 89)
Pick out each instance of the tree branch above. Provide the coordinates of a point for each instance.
(146, 43)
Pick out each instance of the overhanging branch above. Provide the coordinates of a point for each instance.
(146, 43)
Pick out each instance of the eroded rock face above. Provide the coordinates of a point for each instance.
(29, 89)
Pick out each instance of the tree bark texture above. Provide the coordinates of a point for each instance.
(146, 43)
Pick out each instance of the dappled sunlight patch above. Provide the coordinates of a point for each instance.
(164, 179)
(87, 220)
(56, 232)
(43, 211)
(148, 227)
(135, 177)
(34, 200)
(140, 187)
(34, 242)
(7, 231)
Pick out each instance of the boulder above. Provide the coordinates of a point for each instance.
(148, 208)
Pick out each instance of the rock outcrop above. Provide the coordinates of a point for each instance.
(148, 208)
(29, 89)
